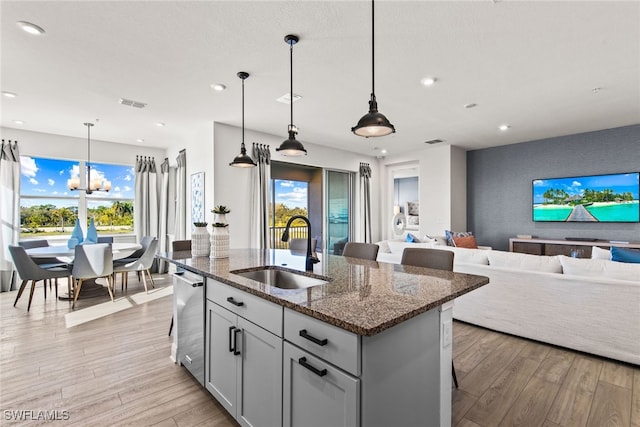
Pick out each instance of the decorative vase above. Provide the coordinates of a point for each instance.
(220, 218)
(76, 236)
(200, 242)
(92, 233)
(219, 243)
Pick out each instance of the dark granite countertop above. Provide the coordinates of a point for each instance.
(363, 297)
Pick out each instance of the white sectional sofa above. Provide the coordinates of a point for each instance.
(590, 305)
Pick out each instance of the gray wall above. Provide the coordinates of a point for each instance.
(499, 193)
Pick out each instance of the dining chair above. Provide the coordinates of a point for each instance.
(181, 245)
(92, 262)
(48, 262)
(431, 258)
(368, 251)
(142, 265)
(105, 239)
(300, 245)
(30, 271)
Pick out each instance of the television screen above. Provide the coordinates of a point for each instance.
(595, 198)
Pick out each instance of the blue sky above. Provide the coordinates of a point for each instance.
(292, 194)
(619, 183)
(43, 177)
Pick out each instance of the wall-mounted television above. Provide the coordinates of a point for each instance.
(592, 198)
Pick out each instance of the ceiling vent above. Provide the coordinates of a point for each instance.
(434, 141)
(132, 103)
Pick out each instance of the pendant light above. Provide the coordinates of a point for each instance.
(291, 147)
(243, 160)
(93, 183)
(373, 123)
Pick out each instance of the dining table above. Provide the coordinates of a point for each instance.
(90, 289)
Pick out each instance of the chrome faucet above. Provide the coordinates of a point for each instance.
(310, 259)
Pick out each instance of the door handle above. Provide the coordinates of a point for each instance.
(234, 302)
(235, 341)
(318, 372)
(304, 334)
(231, 349)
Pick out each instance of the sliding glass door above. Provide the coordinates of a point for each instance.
(339, 210)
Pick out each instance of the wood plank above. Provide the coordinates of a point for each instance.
(611, 406)
(635, 399)
(494, 403)
(533, 403)
(572, 404)
(555, 366)
(467, 423)
(461, 401)
(617, 374)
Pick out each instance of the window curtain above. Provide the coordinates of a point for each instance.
(260, 182)
(365, 190)
(167, 211)
(180, 228)
(9, 210)
(146, 208)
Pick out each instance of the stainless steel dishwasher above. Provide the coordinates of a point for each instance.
(189, 293)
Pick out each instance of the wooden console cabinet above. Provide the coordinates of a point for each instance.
(538, 246)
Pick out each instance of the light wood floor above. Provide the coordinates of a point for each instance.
(116, 371)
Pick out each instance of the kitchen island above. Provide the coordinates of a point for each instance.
(369, 345)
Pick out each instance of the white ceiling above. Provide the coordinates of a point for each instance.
(530, 64)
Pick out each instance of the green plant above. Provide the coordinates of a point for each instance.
(220, 209)
(200, 224)
(219, 224)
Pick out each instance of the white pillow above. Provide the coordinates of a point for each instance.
(526, 262)
(466, 255)
(600, 268)
(397, 247)
(599, 253)
(383, 246)
(439, 240)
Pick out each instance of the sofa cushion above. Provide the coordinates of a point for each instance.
(451, 234)
(397, 247)
(465, 242)
(547, 264)
(467, 256)
(625, 255)
(600, 268)
(599, 253)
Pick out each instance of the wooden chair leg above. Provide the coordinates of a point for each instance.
(77, 292)
(144, 281)
(148, 271)
(109, 287)
(46, 281)
(33, 287)
(69, 279)
(22, 286)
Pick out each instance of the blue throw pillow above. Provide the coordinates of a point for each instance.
(411, 238)
(625, 255)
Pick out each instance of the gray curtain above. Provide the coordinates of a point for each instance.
(365, 190)
(146, 207)
(180, 228)
(167, 210)
(260, 182)
(9, 210)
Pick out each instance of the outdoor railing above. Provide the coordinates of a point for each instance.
(275, 236)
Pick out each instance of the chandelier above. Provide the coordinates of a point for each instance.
(93, 182)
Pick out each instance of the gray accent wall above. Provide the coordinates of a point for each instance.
(499, 179)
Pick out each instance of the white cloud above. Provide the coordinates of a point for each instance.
(127, 178)
(287, 184)
(127, 188)
(538, 182)
(33, 181)
(61, 172)
(116, 189)
(51, 182)
(575, 184)
(40, 190)
(28, 166)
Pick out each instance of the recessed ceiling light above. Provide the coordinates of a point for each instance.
(286, 98)
(596, 89)
(9, 94)
(383, 151)
(139, 140)
(504, 127)
(218, 87)
(30, 28)
(18, 122)
(428, 81)
(159, 124)
(470, 105)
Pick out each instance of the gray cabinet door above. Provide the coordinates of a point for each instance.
(220, 361)
(260, 388)
(316, 394)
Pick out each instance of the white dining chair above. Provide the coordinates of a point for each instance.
(141, 265)
(92, 262)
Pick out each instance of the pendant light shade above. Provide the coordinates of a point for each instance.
(373, 123)
(291, 147)
(243, 160)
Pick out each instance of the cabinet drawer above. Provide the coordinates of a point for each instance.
(333, 344)
(255, 309)
(316, 393)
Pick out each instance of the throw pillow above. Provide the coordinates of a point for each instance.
(600, 268)
(599, 253)
(527, 262)
(451, 234)
(625, 254)
(465, 242)
(411, 238)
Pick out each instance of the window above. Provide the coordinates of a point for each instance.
(289, 198)
(49, 208)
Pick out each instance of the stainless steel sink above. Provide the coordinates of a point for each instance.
(282, 279)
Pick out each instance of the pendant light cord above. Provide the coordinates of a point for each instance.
(291, 81)
(373, 50)
(243, 112)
